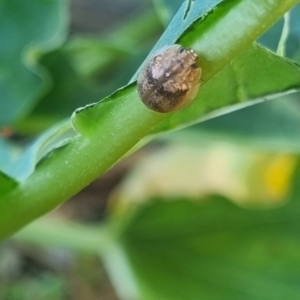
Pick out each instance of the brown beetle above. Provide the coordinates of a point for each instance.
(170, 79)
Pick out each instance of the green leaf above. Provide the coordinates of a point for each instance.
(273, 125)
(20, 164)
(256, 75)
(69, 90)
(210, 250)
(9, 154)
(94, 54)
(6, 184)
(27, 28)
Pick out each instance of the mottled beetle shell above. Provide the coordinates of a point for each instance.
(170, 79)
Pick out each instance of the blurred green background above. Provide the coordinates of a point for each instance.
(209, 212)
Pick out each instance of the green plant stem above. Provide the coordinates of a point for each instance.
(73, 236)
(221, 37)
(284, 35)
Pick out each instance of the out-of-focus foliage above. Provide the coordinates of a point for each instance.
(28, 29)
(213, 214)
